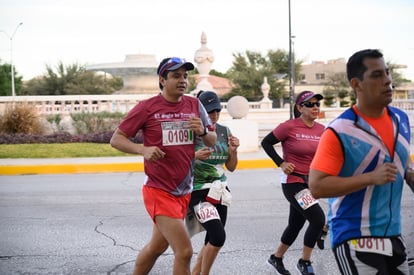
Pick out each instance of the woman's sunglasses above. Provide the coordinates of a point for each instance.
(311, 104)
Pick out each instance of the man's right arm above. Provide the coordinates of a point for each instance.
(121, 142)
(323, 185)
(328, 160)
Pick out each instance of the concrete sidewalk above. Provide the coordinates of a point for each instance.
(247, 160)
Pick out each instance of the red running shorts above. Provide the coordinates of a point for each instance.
(161, 203)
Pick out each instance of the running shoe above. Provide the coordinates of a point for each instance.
(305, 267)
(277, 263)
(411, 261)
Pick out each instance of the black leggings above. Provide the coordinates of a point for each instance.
(216, 235)
(298, 217)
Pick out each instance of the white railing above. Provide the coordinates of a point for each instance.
(64, 105)
(404, 104)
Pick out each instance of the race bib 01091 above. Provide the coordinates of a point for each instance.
(381, 246)
(305, 199)
(176, 133)
(205, 212)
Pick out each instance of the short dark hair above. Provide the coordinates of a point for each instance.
(355, 66)
(164, 75)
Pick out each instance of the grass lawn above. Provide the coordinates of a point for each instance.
(62, 150)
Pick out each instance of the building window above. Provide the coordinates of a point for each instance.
(320, 76)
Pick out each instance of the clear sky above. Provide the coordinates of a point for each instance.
(104, 31)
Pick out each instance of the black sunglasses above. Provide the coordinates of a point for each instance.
(311, 104)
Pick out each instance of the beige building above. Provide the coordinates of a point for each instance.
(313, 76)
(318, 72)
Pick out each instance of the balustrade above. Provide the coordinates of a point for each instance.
(64, 105)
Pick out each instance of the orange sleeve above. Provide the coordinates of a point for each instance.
(329, 157)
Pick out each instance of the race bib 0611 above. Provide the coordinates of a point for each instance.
(381, 246)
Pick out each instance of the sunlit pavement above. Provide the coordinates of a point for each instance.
(95, 223)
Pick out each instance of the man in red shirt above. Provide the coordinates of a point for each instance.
(169, 123)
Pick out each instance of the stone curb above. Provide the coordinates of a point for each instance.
(109, 167)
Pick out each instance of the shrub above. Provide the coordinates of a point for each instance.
(20, 118)
(60, 137)
(86, 123)
(91, 127)
(54, 119)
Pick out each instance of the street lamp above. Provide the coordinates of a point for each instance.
(11, 56)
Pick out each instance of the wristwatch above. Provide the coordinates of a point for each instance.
(205, 132)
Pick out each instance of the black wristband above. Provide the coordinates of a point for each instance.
(205, 132)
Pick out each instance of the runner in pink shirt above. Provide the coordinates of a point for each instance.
(299, 138)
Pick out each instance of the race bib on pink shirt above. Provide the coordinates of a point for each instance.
(176, 133)
(305, 199)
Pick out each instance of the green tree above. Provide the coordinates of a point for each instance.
(192, 80)
(337, 86)
(57, 82)
(397, 77)
(249, 69)
(34, 86)
(91, 83)
(5, 81)
(73, 79)
(217, 73)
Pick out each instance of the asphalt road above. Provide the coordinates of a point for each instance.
(96, 224)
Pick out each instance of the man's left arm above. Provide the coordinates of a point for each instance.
(208, 135)
(210, 139)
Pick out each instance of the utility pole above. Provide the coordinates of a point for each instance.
(291, 70)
